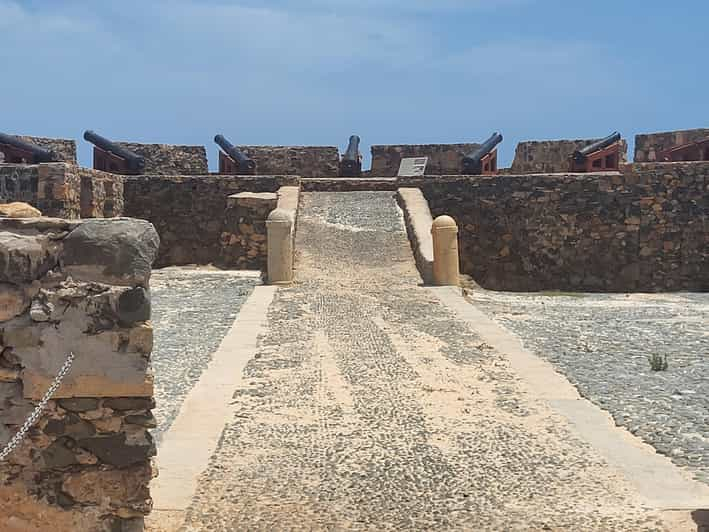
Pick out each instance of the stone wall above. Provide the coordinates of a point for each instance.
(648, 146)
(244, 244)
(65, 149)
(645, 229)
(306, 161)
(101, 194)
(550, 156)
(81, 287)
(189, 211)
(166, 159)
(62, 190)
(19, 183)
(59, 190)
(243, 238)
(443, 159)
(53, 188)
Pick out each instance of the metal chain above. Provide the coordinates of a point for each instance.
(34, 416)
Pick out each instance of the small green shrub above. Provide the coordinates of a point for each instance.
(657, 362)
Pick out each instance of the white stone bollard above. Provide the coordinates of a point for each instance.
(445, 251)
(279, 229)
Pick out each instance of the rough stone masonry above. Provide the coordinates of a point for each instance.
(81, 287)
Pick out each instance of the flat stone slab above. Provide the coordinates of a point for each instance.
(249, 199)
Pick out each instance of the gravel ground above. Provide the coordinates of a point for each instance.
(601, 342)
(369, 406)
(192, 310)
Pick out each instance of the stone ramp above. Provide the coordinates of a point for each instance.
(371, 406)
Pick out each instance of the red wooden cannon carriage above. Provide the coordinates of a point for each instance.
(601, 156)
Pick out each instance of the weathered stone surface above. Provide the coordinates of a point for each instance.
(30, 514)
(147, 420)
(88, 385)
(17, 412)
(18, 183)
(53, 226)
(9, 389)
(189, 211)
(40, 313)
(443, 159)
(133, 306)
(243, 237)
(13, 301)
(101, 194)
(648, 146)
(114, 450)
(306, 161)
(19, 209)
(119, 251)
(119, 353)
(89, 319)
(64, 149)
(550, 156)
(78, 404)
(25, 257)
(59, 454)
(130, 403)
(53, 188)
(108, 486)
(71, 425)
(59, 190)
(582, 232)
(253, 199)
(140, 339)
(166, 159)
(9, 375)
(111, 424)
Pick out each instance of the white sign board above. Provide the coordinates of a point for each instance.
(412, 167)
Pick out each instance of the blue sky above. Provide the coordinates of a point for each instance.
(315, 71)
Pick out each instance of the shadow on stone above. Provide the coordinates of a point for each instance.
(701, 518)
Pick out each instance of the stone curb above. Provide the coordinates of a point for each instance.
(418, 220)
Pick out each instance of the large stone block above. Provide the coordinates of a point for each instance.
(118, 451)
(108, 363)
(13, 301)
(26, 257)
(19, 209)
(118, 251)
(101, 486)
(30, 514)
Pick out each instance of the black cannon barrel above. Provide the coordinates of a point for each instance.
(581, 154)
(471, 162)
(243, 161)
(39, 155)
(135, 162)
(352, 152)
(351, 164)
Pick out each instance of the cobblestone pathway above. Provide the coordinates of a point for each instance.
(369, 406)
(192, 311)
(602, 342)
